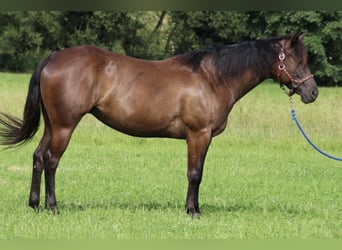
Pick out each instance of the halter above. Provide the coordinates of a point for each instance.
(295, 82)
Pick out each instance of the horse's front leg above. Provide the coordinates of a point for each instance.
(198, 143)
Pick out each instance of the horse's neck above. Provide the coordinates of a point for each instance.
(239, 87)
(239, 81)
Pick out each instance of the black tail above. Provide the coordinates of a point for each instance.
(16, 132)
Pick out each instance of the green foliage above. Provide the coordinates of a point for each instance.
(197, 29)
(27, 36)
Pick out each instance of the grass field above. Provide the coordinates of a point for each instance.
(261, 179)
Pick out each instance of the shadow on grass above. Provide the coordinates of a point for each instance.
(288, 209)
(144, 206)
(283, 208)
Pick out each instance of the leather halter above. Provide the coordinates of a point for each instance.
(295, 82)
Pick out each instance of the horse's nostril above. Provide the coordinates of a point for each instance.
(314, 93)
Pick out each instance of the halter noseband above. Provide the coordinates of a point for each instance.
(295, 82)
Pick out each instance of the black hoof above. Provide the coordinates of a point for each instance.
(34, 206)
(52, 208)
(194, 212)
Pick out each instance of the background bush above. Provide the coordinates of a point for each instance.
(27, 36)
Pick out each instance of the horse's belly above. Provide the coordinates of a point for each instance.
(143, 124)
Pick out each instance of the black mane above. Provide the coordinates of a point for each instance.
(231, 61)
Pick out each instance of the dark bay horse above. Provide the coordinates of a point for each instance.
(188, 96)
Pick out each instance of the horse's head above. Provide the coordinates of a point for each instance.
(292, 69)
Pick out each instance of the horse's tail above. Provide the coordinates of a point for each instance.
(16, 132)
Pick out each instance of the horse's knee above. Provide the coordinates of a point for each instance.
(51, 161)
(195, 176)
(38, 161)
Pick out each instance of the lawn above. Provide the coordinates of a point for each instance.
(261, 179)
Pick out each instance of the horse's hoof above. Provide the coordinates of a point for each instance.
(34, 206)
(196, 216)
(195, 213)
(36, 209)
(52, 208)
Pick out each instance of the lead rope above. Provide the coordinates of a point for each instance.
(294, 118)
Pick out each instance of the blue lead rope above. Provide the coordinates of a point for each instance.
(293, 114)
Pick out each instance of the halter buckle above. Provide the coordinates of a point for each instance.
(281, 67)
(281, 56)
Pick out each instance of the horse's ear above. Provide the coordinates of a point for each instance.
(298, 36)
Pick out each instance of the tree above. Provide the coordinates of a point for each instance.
(28, 36)
(197, 29)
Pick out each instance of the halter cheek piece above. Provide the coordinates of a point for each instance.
(295, 82)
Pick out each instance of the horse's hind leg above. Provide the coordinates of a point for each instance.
(38, 167)
(60, 137)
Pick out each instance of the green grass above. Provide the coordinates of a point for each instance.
(261, 179)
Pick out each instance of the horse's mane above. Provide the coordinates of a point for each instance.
(231, 61)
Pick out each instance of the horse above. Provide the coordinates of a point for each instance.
(187, 96)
